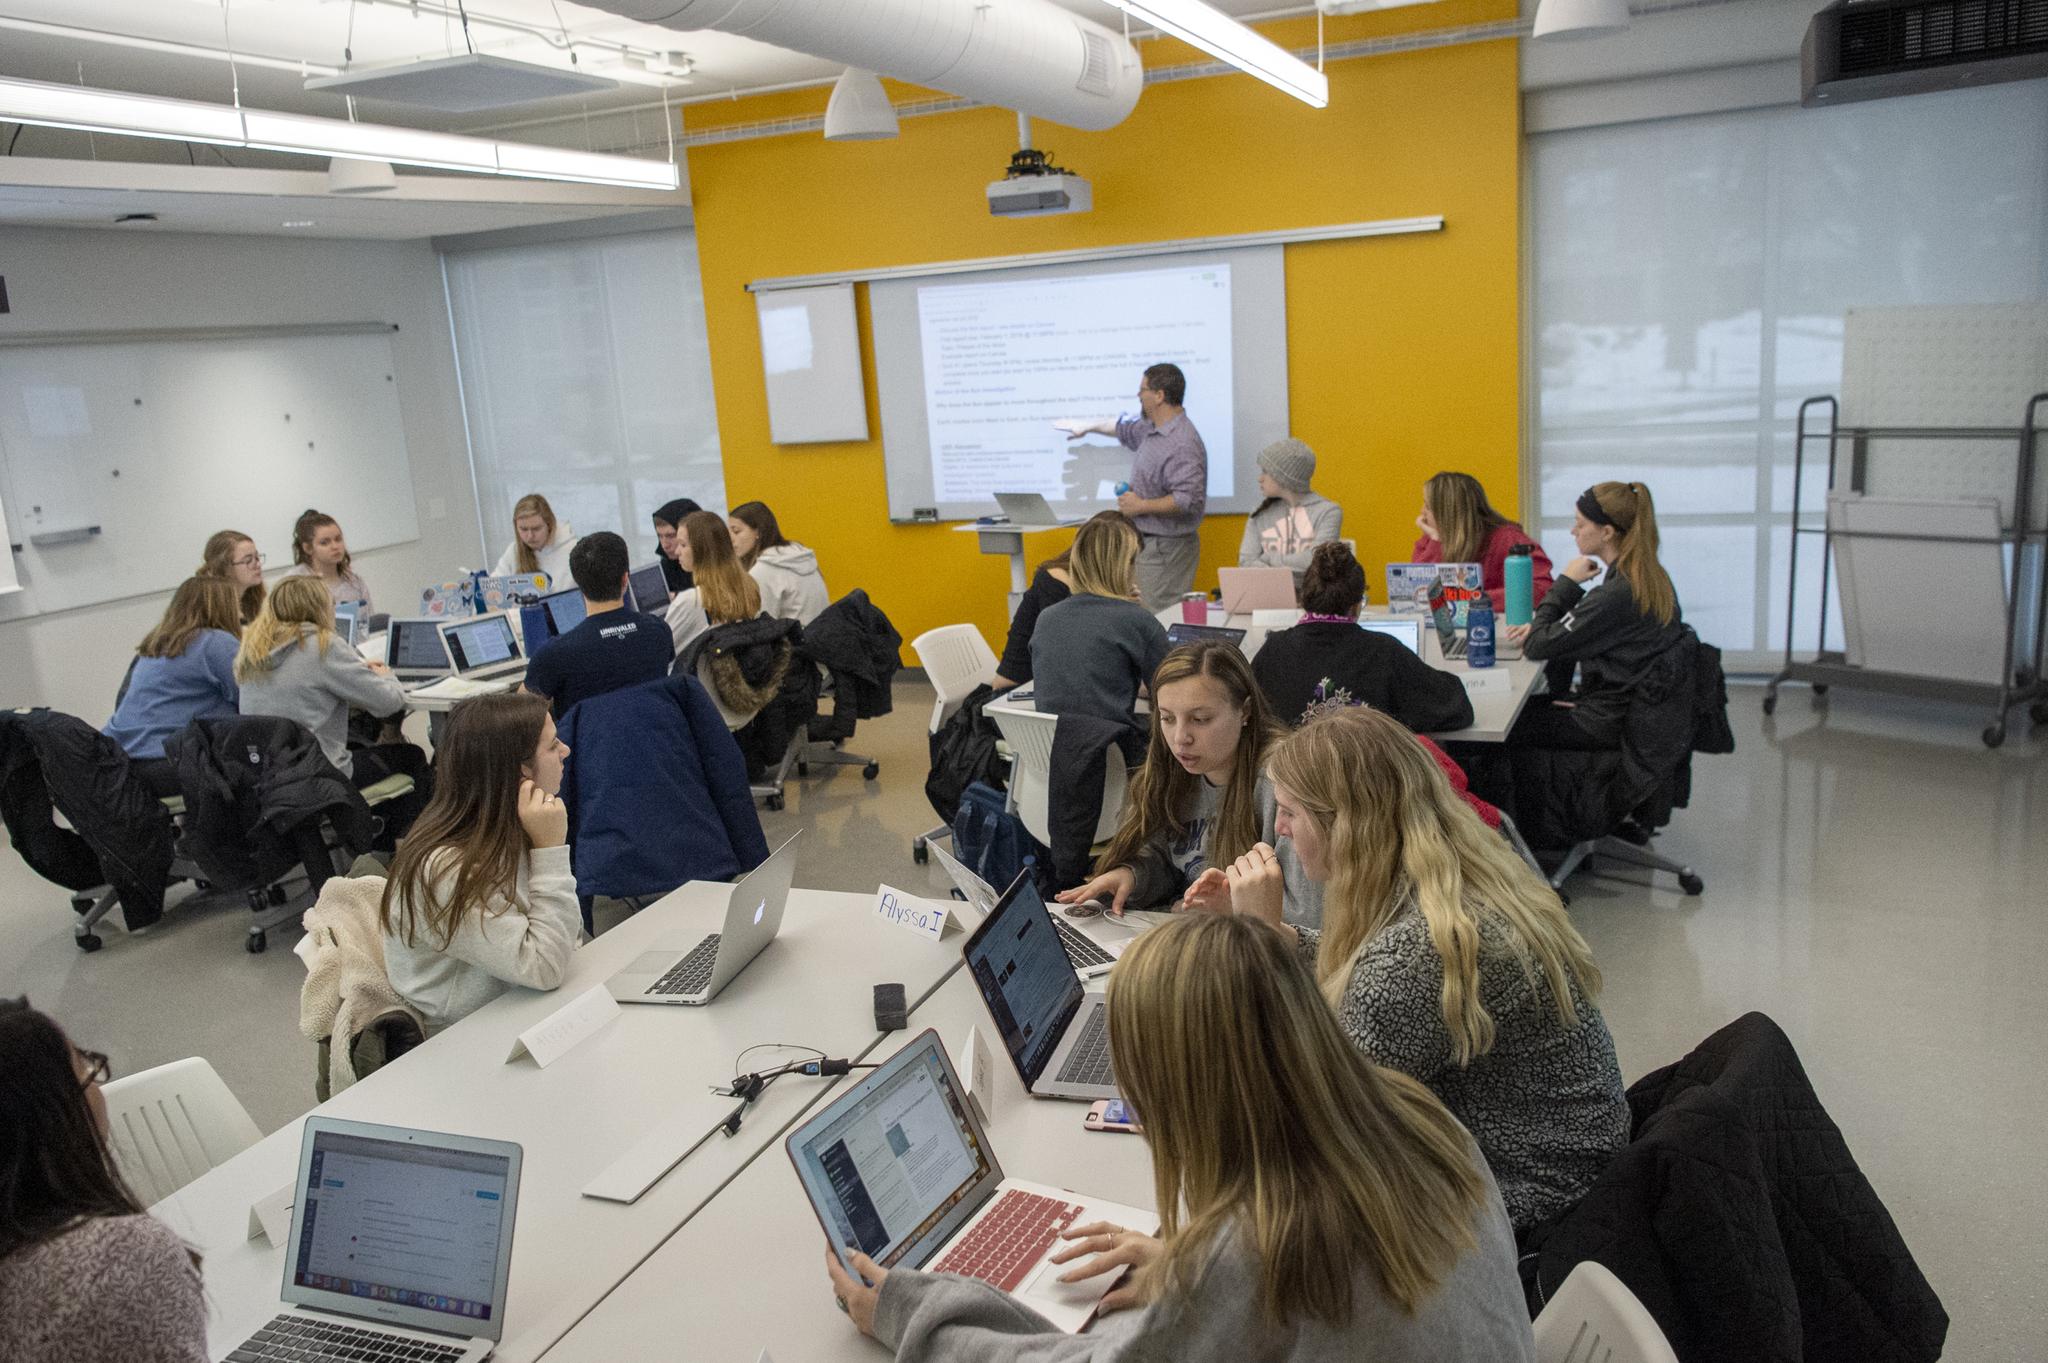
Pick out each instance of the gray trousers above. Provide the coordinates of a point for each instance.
(1166, 568)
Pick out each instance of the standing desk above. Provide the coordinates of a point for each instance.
(748, 1272)
(650, 1066)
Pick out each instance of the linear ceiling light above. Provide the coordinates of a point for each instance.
(181, 120)
(1222, 36)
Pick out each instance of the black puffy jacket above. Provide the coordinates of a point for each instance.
(854, 641)
(249, 781)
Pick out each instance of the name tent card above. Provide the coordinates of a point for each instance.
(552, 1037)
(927, 918)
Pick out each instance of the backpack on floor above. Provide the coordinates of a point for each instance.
(994, 844)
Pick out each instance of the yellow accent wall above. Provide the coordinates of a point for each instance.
(1401, 350)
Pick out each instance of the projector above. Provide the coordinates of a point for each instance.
(1035, 188)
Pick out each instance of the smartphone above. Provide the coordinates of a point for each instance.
(1110, 1115)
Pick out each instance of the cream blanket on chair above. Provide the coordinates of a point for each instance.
(346, 988)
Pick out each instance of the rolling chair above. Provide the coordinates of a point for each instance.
(956, 659)
(1030, 735)
(171, 1124)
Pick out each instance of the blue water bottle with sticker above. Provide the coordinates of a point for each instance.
(1479, 631)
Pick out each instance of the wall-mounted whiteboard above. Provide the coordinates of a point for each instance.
(119, 457)
(810, 357)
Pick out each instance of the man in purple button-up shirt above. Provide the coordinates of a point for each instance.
(1169, 484)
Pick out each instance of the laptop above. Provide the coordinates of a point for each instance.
(900, 1167)
(414, 652)
(1056, 1032)
(1030, 510)
(400, 1249)
(1256, 589)
(565, 610)
(647, 590)
(676, 970)
(1451, 637)
(1180, 632)
(1089, 955)
(349, 622)
(483, 647)
(1406, 632)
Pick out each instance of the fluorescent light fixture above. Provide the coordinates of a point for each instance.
(1219, 35)
(181, 120)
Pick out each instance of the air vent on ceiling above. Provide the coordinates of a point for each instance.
(462, 84)
(1098, 71)
(1875, 49)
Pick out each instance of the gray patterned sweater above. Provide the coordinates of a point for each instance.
(115, 1289)
(1546, 1105)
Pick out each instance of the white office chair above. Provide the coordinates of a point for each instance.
(172, 1124)
(1594, 1318)
(1029, 735)
(956, 659)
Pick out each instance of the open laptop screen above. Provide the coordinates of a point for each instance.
(888, 1165)
(565, 609)
(409, 1224)
(649, 588)
(1407, 632)
(1025, 977)
(481, 641)
(348, 620)
(415, 646)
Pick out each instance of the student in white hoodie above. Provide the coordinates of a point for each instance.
(791, 587)
(1293, 519)
(481, 896)
(540, 544)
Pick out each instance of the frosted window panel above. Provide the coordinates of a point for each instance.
(586, 376)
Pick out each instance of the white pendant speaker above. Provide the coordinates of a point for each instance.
(1570, 19)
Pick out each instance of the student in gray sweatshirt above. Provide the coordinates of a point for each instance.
(294, 665)
(1383, 1235)
(1293, 519)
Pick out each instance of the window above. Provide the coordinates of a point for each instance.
(586, 377)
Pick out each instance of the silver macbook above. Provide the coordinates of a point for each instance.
(1093, 949)
(1405, 631)
(349, 622)
(483, 647)
(1031, 509)
(1056, 1032)
(677, 970)
(415, 653)
(401, 1247)
(647, 590)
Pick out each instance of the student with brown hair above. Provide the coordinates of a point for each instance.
(86, 1275)
(481, 896)
(1093, 652)
(539, 544)
(233, 557)
(1459, 525)
(1314, 1207)
(319, 551)
(1050, 585)
(721, 592)
(184, 670)
(787, 572)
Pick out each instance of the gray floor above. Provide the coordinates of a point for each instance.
(1866, 873)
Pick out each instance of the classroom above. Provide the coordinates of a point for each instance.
(1186, 678)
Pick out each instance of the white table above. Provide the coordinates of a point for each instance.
(748, 1273)
(651, 1065)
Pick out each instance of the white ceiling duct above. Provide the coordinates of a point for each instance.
(1028, 55)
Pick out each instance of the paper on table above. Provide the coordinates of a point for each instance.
(555, 1034)
(459, 688)
(1487, 679)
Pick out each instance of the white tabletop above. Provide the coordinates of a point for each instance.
(651, 1065)
(748, 1273)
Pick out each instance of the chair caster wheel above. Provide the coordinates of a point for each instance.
(918, 853)
(1691, 884)
(774, 802)
(1771, 703)
(1994, 735)
(256, 943)
(871, 771)
(89, 941)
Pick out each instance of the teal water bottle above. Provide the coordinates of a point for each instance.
(1519, 573)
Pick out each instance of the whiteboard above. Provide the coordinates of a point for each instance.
(159, 443)
(810, 358)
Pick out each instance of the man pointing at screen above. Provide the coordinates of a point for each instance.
(1169, 483)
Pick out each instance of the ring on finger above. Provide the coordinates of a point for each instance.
(842, 1304)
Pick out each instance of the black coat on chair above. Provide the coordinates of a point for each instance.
(854, 641)
(248, 782)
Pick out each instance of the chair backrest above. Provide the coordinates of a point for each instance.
(1594, 1318)
(1029, 735)
(172, 1124)
(956, 659)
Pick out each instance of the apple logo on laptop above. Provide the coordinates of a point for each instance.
(758, 912)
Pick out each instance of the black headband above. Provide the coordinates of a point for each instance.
(1589, 507)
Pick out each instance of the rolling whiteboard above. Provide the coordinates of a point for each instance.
(810, 357)
(973, 369)
(160, 443)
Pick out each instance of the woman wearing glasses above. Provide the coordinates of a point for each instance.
(232, 555)
(86, 1275)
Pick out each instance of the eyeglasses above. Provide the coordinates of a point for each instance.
(251, 561)
(98, 1068)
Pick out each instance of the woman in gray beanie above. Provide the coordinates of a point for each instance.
(1293, 520)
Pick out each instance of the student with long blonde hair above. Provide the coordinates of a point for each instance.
(1314, 1206)
(1201, 799)
(481, 896)
(234, 557)
(1444, 955)
(184, 669)
(720, 592)
(539, 544)
(1459, 525)
(1093, 652)
(1050, 585)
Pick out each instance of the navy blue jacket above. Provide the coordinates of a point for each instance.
(657, 791)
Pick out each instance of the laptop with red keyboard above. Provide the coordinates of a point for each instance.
(900, 1168)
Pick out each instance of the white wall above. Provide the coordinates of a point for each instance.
(106, 280)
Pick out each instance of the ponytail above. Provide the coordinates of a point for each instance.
(1630, 510)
